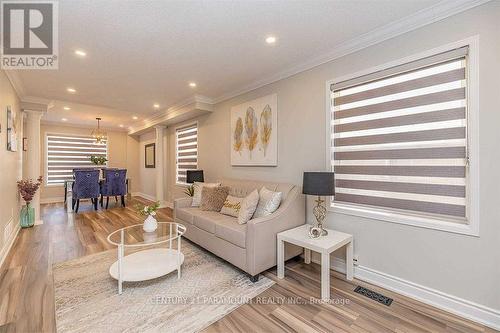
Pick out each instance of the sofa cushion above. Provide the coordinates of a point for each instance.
(187, 214)
(229, 230)
(206, 220)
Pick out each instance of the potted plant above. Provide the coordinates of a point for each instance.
(150, 223)
(98, 160)
(189, 191)
(27, 188)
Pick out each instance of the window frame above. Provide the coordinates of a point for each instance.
(471, 228)
(195, 123)
(46, 155)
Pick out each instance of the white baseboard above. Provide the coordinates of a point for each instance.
(51, 200)
(8, 245)
(453, 304)
(168, 204)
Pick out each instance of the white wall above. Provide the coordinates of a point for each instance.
(147, 176)
(463, 266)
(10, 166)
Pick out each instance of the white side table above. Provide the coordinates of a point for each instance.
(324, 245)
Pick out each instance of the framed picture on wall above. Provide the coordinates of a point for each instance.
(149, 155)
(11, 130)
(254, 132)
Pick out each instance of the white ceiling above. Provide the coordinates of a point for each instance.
(145, 52)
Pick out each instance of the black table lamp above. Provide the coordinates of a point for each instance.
(194, 176)
(320, 184)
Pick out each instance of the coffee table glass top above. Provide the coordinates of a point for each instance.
(134, 235)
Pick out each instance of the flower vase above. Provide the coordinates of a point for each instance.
(150, 224)
(27, 216)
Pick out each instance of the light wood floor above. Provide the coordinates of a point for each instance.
(27, 293)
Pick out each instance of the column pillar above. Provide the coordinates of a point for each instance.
(33, 159)
(160, 165)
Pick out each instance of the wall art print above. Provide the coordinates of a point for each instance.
(254, 132)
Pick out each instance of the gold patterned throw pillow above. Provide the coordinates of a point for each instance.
(212, 198)
(231, 206)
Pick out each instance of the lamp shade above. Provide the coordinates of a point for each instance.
(194, 176)
(318, 183)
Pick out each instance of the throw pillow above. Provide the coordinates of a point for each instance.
(248, 206)
(212, 198)
(197, 192)
(232, 206)
(269, 201)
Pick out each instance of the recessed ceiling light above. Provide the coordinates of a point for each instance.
(80, 53)
(66, 108)
(156, 105)
(135, 117)
(71, 90)
(64, 119)
(192, 84)
(270, 39)
(121, 125)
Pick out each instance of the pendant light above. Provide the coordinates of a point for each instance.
(98, 134)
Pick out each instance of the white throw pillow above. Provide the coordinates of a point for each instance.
(269, 201)
(197, 192)
(232, 206)
(248, 206)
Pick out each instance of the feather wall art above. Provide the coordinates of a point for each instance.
(254, 137)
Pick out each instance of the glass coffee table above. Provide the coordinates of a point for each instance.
(158, 257)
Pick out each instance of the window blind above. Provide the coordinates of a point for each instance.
(68, 152)
(187, 151)
(399, 137)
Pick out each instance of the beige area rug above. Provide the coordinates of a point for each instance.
(87, 300)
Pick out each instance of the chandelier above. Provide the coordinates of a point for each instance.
(98, 134)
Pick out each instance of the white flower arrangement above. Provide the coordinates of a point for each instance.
(148, 210)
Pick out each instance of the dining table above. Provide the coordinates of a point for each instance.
(68, 192)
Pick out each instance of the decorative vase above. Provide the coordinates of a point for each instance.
(150, 224)
(27, 216)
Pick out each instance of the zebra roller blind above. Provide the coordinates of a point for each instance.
(68, 152)
(399, 137)
(187, 151)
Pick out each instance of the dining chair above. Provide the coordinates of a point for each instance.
(86, 186)
(114, 184)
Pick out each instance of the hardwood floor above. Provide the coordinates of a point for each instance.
(27, 294)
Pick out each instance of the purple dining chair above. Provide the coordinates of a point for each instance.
(113, 185)
(86, 186)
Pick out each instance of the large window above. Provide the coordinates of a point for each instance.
(186, 143)
(66, 152)
(399, 138)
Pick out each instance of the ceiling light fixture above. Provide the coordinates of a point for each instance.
(135, 117)
(98, 134)
(192, 84)
(71, 90)
(156, 106)
(270, 39)
(64, 119)
(121, 125)
(66, 108)
(80, 53)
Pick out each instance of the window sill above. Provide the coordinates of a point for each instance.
(420, 221)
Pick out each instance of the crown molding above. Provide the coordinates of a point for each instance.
(16, 82)
(409, 23)
(189, 108)
(58, 123)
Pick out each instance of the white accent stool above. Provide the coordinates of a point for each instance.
(324, 245)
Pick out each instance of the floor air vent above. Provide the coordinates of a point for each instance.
(373, 295)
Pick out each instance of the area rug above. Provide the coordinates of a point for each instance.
(87, 300)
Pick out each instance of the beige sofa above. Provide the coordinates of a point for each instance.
(252, 246)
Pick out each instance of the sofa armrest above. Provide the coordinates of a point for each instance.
(261, 232)
(182, 203)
